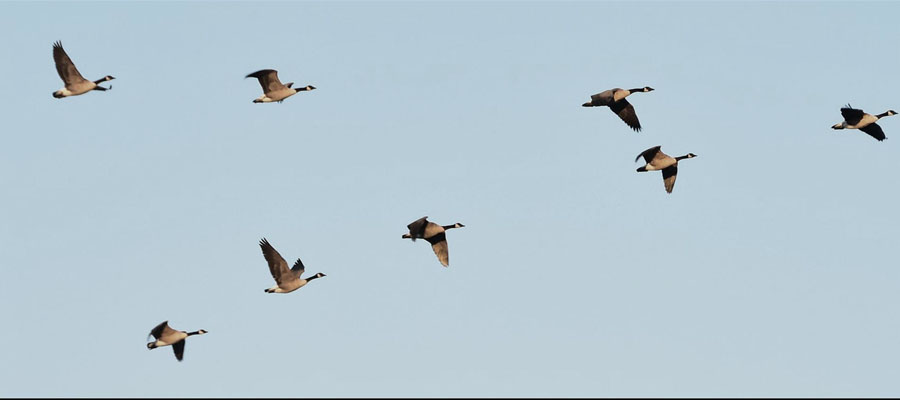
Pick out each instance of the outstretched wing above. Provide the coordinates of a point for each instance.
(441, 250)
(178, 348)
(852, 115)
(625, 111)
(277, 266)
(65, 67)
(874, 131)
(268, 79)
(668, 175)
(298, 268)
(648, 154)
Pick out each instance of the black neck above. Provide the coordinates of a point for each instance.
(636, 90)
(682, 157)
(193, 333)
(316, 276)
(882, 115)
(448, 226)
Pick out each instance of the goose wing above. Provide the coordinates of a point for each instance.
(625, 111)
(874, 130)
(439, 245)
(648, 154)
(298, 268)
(852, 115)
(178, 348)
(603, 98)
(277, 266)
(417, 228)
(669, 175)
(268, 79)
(162, 330)
(65, 67)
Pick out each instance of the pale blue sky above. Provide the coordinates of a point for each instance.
(770, 271)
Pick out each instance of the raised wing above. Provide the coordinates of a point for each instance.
(178, 348)
(417, 227)
(298, 268)
(161, 330)
(625, 111)
(874, 130)
(669, 174)
(441, 250)
(277, 266)
(65, 67)
(852, 115)
(268, 79)
(648, 154)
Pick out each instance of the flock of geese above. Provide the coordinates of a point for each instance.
(290, 279)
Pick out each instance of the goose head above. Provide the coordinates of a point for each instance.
(108, 78)
(648, 89)
(151, 345)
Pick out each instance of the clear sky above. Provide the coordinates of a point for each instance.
(771, 270)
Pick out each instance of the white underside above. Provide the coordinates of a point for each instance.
(66, 92)
(290, 288)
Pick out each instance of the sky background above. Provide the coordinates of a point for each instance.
(771, 270)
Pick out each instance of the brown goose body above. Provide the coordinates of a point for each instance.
(656, 160)
(434, 234)
(273, 89)
(75, 84)
(615, 100)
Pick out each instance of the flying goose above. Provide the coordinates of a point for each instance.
(857, 119)
(615, 99)
(657, 160)
(286, 280)
(273, 90)
(434, 234)
(166, 336)
(75, 84)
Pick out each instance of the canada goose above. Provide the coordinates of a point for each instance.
(615, 99)
(166, 336)
(75, 84)
(286, 280)
(273, 90)
(434, 234)
(657, 160)
(857, 119)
